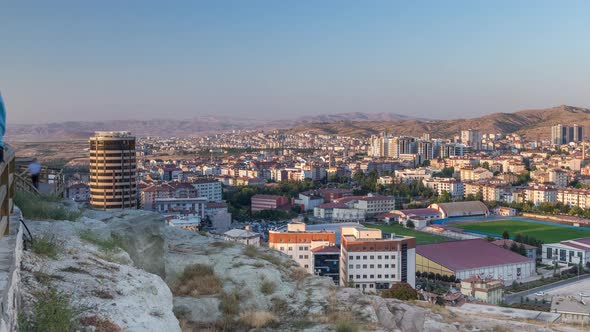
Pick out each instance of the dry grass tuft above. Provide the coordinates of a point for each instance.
(298, 274)
(258, 319)
(197, 280)
(267, 287)
(100, 324)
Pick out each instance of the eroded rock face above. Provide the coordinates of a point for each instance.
(101, 284)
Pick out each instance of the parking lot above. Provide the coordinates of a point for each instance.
(572, 289)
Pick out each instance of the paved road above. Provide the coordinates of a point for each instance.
(515, 298)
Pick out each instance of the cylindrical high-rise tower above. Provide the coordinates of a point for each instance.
(113, 170)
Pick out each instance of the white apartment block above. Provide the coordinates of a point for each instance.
(574, 197)
(540, 194)
(450, 185)
(210, 189)
(370, 262)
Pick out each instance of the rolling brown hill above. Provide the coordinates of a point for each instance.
(532, 123)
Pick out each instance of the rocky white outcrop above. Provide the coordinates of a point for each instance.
(101, 284)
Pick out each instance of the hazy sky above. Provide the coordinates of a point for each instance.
(86, 60)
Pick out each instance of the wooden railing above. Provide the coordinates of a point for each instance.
(7, 189)
(53, 179)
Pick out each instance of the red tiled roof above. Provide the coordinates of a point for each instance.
(468, 254)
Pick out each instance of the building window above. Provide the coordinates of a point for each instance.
(282, 248)
(378, 276)
(358, 266)
(379, 257)
(364, 276)
(387, 276)
(358, 276)
(386, 266)
(386, 256)
(290, 248)
(364, 257)
(358, 286)
(306, 256)
(350, 266)
(300, 256)
(372, 266)
(371, 286)
(372, 276)
(364, 266)
(378, 266)
(351, 257)
(358, 257)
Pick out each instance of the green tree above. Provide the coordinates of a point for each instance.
(505, 235)
(410, 224)
(401, 291)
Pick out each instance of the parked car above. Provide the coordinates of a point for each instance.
(540, 294)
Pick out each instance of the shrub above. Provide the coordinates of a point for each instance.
(267, 287)
(53, 312)
(279, 306)
(35, 207)
(229, 304)
(112, 244)
(258, 319)
(46, 245)
(197, 280)
(251, 251)
(223, 245)
(298, 274)
(346, 327)
(401, 291)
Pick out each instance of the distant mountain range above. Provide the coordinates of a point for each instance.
(171, 127)
(533, 123)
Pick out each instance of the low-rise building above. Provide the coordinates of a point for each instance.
(567, 252)
(486, 290)
(371, 261)
(268, 202)
(467, 258)
(309, 200)
(505, 211)
(243, 236)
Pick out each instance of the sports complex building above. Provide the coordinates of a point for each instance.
(461, 209)
(476, 257)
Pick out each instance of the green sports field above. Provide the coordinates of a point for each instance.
(543, 232)
(421, 237)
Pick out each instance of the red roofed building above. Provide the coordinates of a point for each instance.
(268, 202)
(477, 257)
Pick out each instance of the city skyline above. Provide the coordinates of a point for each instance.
(72, 61)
